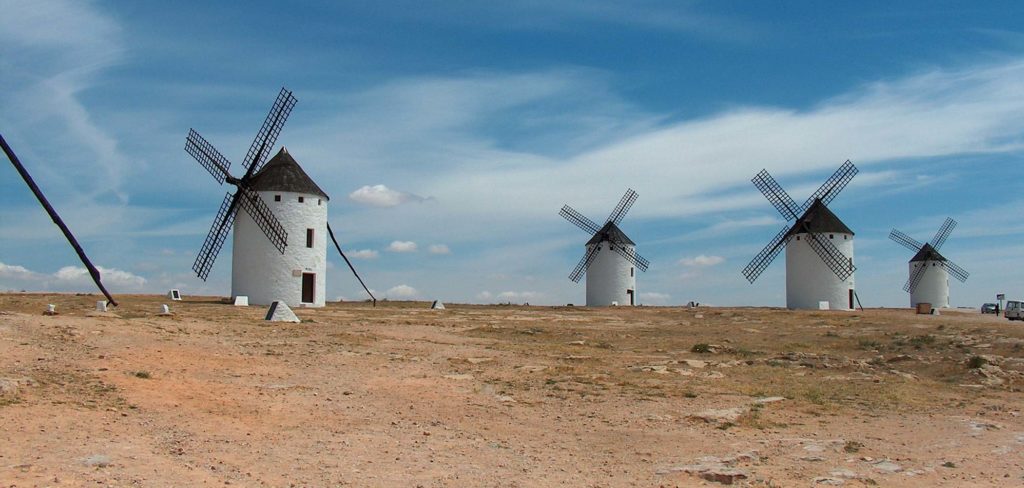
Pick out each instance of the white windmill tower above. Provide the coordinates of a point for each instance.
(271, 202)
(928, 279)
(611, 277)
(819, 246)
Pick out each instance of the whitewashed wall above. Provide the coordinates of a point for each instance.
(261, 272)
(608, 278)
(933, 287)
(809, 280)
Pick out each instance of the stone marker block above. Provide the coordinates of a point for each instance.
(437, 305)
(241, 301)
(51, 309)
(174, 295)
(280, 312)
(823, 305)
(101, 306)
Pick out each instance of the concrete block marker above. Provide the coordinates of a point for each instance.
(241, 301)
(51, 309)
(101, 306)
(280, 312)
(437, 305)
(165, 310)
(174, 294)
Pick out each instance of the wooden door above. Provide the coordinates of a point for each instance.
(308, 284)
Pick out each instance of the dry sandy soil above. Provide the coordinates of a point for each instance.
(400, 395)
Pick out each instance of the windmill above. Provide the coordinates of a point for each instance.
(819, 246)
(264, 267)
(928, 281)
(611, 277)
(93, 272)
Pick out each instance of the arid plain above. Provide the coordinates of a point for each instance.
(400, 395)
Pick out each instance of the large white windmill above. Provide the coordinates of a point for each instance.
(611, 276)
(928, 279)
(819, 246)
(273, 200)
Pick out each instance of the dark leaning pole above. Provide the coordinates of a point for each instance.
(93, 272)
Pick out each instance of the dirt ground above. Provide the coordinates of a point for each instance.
(509, 396)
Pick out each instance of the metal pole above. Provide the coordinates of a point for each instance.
(95, 273)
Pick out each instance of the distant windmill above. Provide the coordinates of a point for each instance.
(93, 272)
(819, 246)
(928, 280)
(611, 277)
(264, 267)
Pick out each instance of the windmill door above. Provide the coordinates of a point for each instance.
(632, 297)
(308, 282)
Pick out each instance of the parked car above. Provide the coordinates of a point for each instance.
(1014, 310)
(989, 308)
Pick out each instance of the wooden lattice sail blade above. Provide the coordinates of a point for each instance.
(623, 207)
(253, 205)
(635, 259)
(579, 220)
(905, 240)
(957, 272)
(943, 233)
(265, 139)
(836, 261)
(215, 238)
(915, 278)
(207, 156)
(581, 267)
(778, 197)
(764, 258)
(833, 185)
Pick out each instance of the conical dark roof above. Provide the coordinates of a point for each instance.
(927, 253)
(283, 173)
(611, 232)
(819, 219)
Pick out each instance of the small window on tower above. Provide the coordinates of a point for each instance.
(630, 271)
(319, 201)
(309, 237)
(302, 199)
(277, 198)
(831, 236)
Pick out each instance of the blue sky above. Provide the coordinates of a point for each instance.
(462, 127)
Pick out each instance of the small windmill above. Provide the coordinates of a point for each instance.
(264, 268)
(928, 281)
(819, 246)
(611, 277)
(93, 272)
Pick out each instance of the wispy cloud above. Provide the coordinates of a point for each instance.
(68, 278)
(439, 249)
(363, 254)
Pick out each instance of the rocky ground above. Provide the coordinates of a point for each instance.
(400, 395)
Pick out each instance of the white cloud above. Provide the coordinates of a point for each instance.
(382, 196)
(109, 276)
(402, 291)
(484, 296)
(363, 254)
(15, 272)
(402, 246)
(439, 249)
(702, 261)
(68, 278)
(654, 298)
